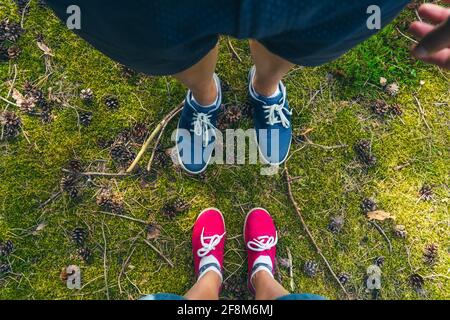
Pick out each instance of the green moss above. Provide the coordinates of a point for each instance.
(329, 183)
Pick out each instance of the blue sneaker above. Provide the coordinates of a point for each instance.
(272, 121)
(196, 133)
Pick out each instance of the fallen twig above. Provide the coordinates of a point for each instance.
(100, 174)
(291, 273)
(52, 197)
(152, 136)
(105, 273)
(122, 216)
(422, 112)
(311, 237)
(236, 55)
(159, 253)
(382, 233)
(158, 140)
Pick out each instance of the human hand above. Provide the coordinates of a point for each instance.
(434, 46)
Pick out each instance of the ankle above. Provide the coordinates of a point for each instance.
(206, 94)
(265, 88)
(211, 279)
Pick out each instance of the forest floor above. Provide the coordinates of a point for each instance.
(336, 106)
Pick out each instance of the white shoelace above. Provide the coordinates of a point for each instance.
(202, 125)
(262, 243)
(208, 246)
(276, 115)
(276, 112)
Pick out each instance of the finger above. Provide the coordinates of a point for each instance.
(441, 59)
(435, 40)
(433, 12)
(420, 29)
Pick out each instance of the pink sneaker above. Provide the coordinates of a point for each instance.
(208, 242)
(260, 237)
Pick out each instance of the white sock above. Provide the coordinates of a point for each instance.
(262, 259)
(207, 260)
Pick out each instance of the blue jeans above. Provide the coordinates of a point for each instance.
(169, 296)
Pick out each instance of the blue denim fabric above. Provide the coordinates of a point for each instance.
(169, 296)
(167, 36)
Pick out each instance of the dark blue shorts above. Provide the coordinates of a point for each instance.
(160, 37)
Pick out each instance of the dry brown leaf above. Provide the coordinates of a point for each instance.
(47, 51)
(17, 96)
(379, 215)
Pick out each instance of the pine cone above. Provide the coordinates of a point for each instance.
(11, 124)
(426, 193)
(14, 52)
(180, 205)
(153, 231)
(6, 248)
(311, 268)
(430, 254)
(121, 154)
(336, 224)
(127, 72)
(368, 205)
(4, 269)
(400, 231)
(87, 95)
(379, 261)
(416, 281)
(75, 166)
(79, 236)
(110, 201)
(364, 152)
(139, 133)
(344, 278)
(169, 210)
(85, 118)
(161, 159)
(380, 107)
(112, 102)
(69, 185)
(10, 31)
(85, 254)
(392, 89)
(396, 109)
(232, 114)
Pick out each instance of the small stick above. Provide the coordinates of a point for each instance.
(152, 136)
(123, 217)
(311, 237)
(383, 234)
(105, 274)
(291, 273)
(100, 174)
(53, 197)
(422, 112)
(158, 140)
(159, 253)
(9, 102)
(234, 50)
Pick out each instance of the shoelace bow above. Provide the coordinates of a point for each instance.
(202, 124)
(211, 245)
(262, 243)
(276, 112)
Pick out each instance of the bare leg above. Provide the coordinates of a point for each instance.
(207, 288)
(199, 78)
(266, 287)
(270, 69)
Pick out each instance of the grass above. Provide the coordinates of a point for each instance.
(330, 182)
